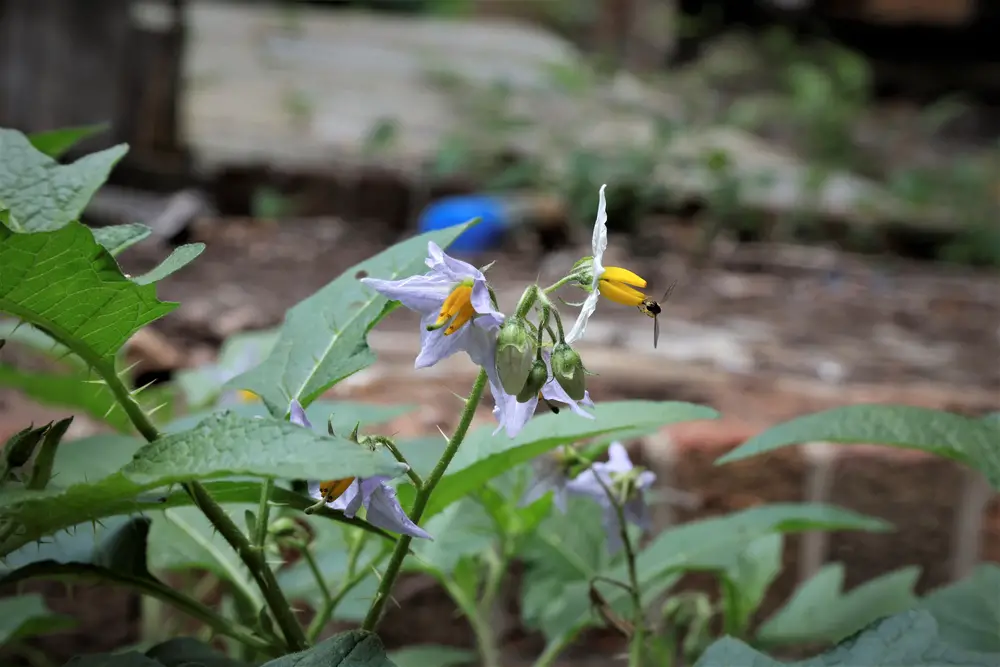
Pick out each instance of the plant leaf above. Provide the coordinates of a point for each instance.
(819, 611)
(356, 648)
(429, 655)
(66, 284)
(189, 651)
(42, 195)
(223, 445)
(126, 659)
(971, 441)
(176, 261)
(712, 545)
(909, 639)
(14, 331)
(968, 611)
(484, 456)
(56, 142)
(755, 569)
(324, 338)
(118, 238)
(68, 391)
(26, 616)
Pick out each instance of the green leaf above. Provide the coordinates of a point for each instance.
(713, 545)
(56, 142)
(223, 445)
(356, 648)
(460, 530)
(126, 659)
(66, 284)
(429, 655)
(909, 639)
(324, 338)
(42, 195)
(15, 331)
(182, 538)
(27, 616)
(68, 391)
(118, 238)
(755, 569)
(968, 611)
(239, 353)
(971, 441)
(819, 610)
(484, 456)
(226, 444)
(189, 651)
(177, 260)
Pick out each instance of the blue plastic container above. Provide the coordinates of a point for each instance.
(451, 211)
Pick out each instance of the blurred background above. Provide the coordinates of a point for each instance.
(820, 177)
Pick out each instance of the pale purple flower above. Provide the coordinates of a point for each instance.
(381, 505)
(373, 493)
(635, 509)
(549, 475)
(452, 291)
(512, 416)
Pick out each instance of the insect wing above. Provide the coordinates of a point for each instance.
(656, 331)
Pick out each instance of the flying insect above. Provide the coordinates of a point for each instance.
(654, 308)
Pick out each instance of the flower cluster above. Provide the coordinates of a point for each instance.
(525, 361)
(615, 484)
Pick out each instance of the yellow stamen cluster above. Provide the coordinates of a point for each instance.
(334, 488)
(457, 308)
(247, 396)
(619, 285)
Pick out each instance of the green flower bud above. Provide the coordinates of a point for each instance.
(537, 378)
(514, 355)
(567, 368)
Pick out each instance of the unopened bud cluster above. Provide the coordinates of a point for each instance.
(520, 366)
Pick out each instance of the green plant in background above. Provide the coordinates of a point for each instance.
(282, 515)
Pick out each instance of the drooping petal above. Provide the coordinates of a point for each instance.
(351, 500)
(487, 317)
(586, 311)
(548, 477)
(385, 512)
(435, 346)
(314, 491)
(423, 294)
(298, 415)
(511, 414)
(636, 511)
(618, 460)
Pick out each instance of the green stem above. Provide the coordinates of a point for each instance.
(398, 455)
(559, 283)
(251, 557)
(482, 629)
(353, 579)
(554, 647)
(637, 641)
(420, 504)
(324, 590)
(263, 512)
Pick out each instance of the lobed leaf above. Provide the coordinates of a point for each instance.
(324, 337)
(909, 639)
(176, 261)
(968, 611)
(970, 441)
(356, 648)
(68, 391)
(66, 284)
(484, 456)
(56, 142)
(118, 238)
(223, 445)
(819, 610)
(42, 195)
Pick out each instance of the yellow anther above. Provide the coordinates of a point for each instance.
(621, 293)
(457, 309)
(334, 488)
(247, 396)
(617, 274)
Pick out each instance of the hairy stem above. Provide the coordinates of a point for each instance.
(263, 514)
(251, 557)
(420, 504)
(398, 455)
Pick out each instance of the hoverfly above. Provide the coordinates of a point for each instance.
(654, 308)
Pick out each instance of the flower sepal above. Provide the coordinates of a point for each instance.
(515, 354)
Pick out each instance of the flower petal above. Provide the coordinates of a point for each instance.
(298, 415)
(350, 501)
(314, 491)
(612, 530)
(487, 316)
(599, 243)
(618, 460)
(435, 346)
(385, 512)
(455, 269)
(586, 311)
(424, 294)
(636, 511)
